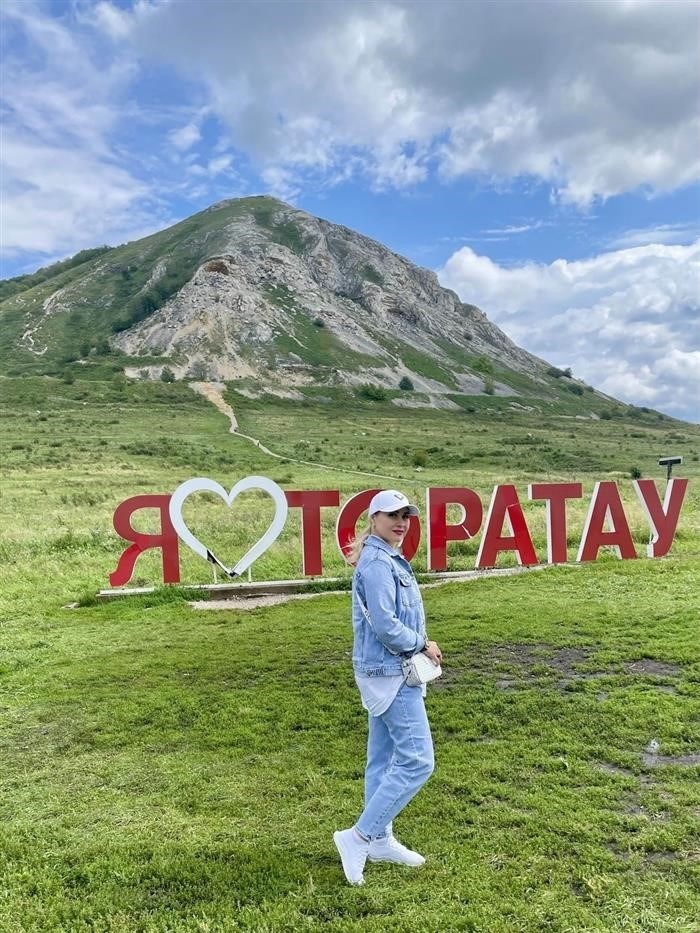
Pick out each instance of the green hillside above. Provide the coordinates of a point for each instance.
(166, 768)
(106, 293)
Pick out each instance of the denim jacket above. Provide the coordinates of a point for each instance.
(385, 583)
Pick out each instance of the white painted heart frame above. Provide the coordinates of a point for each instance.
(202, 484)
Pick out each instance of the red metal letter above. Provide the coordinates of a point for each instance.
(555, 495)
(662, 519)
(166, 540)
(311, 502)
(347, 520)
(505, 505)
(606, 503)
(439, 532)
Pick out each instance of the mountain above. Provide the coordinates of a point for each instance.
(256, 291)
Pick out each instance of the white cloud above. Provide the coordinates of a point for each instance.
(67, 199)
(627, 322)
(185, 137)
(520, 228)
(111, 20)
(64, 186)
(663, 233)
(593, 98)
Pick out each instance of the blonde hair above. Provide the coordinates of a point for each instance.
(357, 544)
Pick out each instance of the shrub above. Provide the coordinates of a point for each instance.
(489, 387)
(218, 265)
(198, 371)
(420, 458)
(406, 384)
(482, 364)
(167, 375)
(559, 373)
(319, 322)
(370, 274)
(635, 473)
(606, 415)
(371, 392)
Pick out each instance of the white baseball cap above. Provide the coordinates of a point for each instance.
(391, 500)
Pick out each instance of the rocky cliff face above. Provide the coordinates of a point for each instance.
(256, 291)
(293, 300)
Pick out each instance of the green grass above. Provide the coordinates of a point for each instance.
(169, 769)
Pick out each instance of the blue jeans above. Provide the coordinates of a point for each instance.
(399, 761)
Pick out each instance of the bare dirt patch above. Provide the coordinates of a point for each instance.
(521, 666)
(652, 668)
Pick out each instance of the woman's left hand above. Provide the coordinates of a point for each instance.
(432, 649)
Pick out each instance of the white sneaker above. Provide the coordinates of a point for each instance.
(353, 854)
(389, 849)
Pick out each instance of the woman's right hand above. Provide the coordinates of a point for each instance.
(432, 649)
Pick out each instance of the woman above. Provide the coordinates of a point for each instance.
(388, 626)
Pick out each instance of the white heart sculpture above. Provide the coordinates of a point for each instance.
(202, 484)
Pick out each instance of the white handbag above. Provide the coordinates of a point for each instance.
(420, 670)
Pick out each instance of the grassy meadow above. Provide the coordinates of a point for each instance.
(166, 768)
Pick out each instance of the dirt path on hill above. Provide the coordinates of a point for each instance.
(214, 392)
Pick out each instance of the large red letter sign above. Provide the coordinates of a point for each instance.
(311, 502)
(505, 505)
(439, 532)
(606, 503)
(555, 495)
(166, 540)
(662, 519)
(347, 520)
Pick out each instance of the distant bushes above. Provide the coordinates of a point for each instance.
(370, 274)
(483, 364)
(406, 385)
(557, 373)
(372, 393)
(138, 308)
(218, 265)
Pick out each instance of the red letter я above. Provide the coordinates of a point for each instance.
(167, 540)
(311, 502)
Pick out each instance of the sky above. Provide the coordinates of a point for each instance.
(542, 157)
